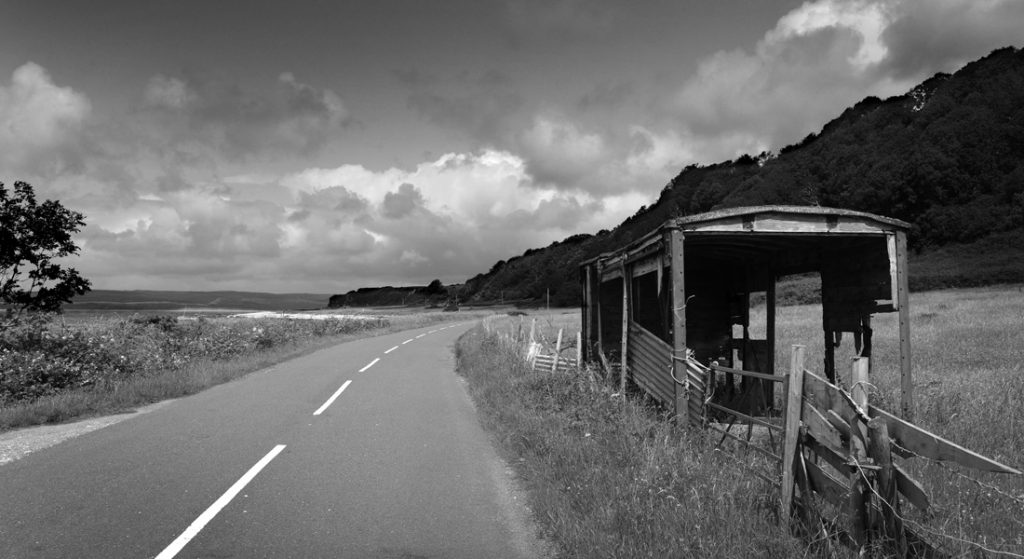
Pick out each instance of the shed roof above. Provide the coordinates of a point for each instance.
(788, 219)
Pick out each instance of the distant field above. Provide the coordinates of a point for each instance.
(194, 301)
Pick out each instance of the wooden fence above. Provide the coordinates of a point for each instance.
(840, 459)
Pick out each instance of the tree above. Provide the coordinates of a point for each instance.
(32, 237)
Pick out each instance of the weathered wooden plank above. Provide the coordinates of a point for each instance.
(827, 486)
(791, 435)
(820, 428)
(910, 488)
(930, 445)
(835, 459)
(827, 396)
(751, 374)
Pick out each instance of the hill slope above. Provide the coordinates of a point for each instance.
(947, 157)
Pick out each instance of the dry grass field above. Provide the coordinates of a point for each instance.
(968, 350)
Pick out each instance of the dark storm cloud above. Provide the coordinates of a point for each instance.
(289, 117)
(947, 34)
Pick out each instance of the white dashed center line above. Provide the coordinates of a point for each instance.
(370, 364)
(407, 341)
(193, 530)
(390, 350)
(420, 336)
(333, 397)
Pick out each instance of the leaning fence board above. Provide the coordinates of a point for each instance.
(911, 489)
(819, 428)
(827, 396)
(929, 445)
(752, 374)
(827, 486)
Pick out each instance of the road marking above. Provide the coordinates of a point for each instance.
(407, 341)
(432, 331)
(420, 336)
(333, 397)
(370, 364)
(390, 350)
(193, 530)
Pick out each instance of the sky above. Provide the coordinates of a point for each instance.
(321, 146)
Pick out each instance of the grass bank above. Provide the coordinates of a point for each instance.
(51, 372)
(610, 477)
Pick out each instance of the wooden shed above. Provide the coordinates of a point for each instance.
(690, 286)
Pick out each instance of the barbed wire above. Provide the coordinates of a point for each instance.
(1019, 501)
(923, 528)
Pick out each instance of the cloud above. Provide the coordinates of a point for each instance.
(38, 119)
(559, 152)
(941, 35)
(826, 55)
(401, 202)
(290, 118)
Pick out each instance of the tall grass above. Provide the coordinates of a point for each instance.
(52, 372)
(967, 350)
(610, 477)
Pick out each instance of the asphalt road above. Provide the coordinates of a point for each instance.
(283, 463)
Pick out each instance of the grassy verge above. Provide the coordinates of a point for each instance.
(610, 477)
(53, 373)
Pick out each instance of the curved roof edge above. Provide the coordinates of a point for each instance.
(803, 210)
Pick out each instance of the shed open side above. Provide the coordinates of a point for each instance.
(690, 283)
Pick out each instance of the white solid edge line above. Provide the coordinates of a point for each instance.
(390, 350)
(407, 341)
(333, 397)
(370, 364)
(197, 525)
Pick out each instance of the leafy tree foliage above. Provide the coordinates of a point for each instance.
(33, 238)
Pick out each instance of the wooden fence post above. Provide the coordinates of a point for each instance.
(626, 270)
(859, 490)
(794, 403)
(579, 350)
(533, 330)
(879, 449)
(558, 349)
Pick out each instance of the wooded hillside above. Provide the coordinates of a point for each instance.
(947, 157)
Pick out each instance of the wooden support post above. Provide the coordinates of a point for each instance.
(794, 403)
(769, 329)
(533, 331)
(586, 305)
(903, 307)
(830, 356)
(558, 351)
(579, 349)
(623, 373)
(597, 310)
(673, 242)
(859, 488)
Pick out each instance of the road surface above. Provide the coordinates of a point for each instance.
(366, 449)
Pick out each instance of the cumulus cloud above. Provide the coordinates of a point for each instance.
(37, 117)
(826, 55)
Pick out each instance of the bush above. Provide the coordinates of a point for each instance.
(40, 357)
